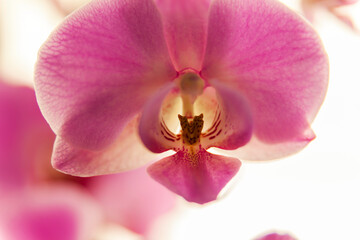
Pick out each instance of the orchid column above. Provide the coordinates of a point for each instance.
(251, 75)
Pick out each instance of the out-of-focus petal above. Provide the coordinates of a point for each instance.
(55, 212)
(232, 125)
(274, 59)
(20, 121)
(328, 3)
(310, 7)
(276, 236)
(152, 128)
(127, 152)
(132, 199)
(96, 71)
(185, 27)
(197, 180)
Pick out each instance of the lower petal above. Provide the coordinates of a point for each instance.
(197, 178)
(126, 153)
(258, 150)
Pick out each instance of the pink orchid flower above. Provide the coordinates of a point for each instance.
(276, 236)
(39, 203)
(332, 6)
(251, 75)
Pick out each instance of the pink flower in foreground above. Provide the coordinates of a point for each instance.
(39, 203)
(332, 6)
(276, 236)
(251, 75)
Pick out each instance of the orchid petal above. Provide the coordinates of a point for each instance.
(278, 65)
(55, 212)
(232, 125)
(152, 129)
(258, 150)
(20, 121)
(185, 27)
(199, 181)
(309, 8)
(276, 236)
(207, 104)
(126, 153)
(132, 199)
(97, 70)
(171, 108)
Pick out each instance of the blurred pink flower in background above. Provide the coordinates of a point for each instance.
(102, 77)
(65, 7)
(39, 203)
(276, 236)
(131, 199)
(310, 7)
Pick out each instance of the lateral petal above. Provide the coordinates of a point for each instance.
(96, 71)
(128, 152)
(279, 65)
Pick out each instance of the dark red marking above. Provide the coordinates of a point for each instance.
(218, 116)
(217, 125)
(167, 131)
(219, 132)
(170, 139)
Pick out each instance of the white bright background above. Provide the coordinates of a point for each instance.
(313, 194)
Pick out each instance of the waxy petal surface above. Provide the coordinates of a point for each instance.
(152, 128)
(20, 120)
(197, 179)
(207, 104)
(232, 126)
(132, 199)
(185, 27)
(274, 59)
(259, 150)
(97, 70)
(127, 152)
